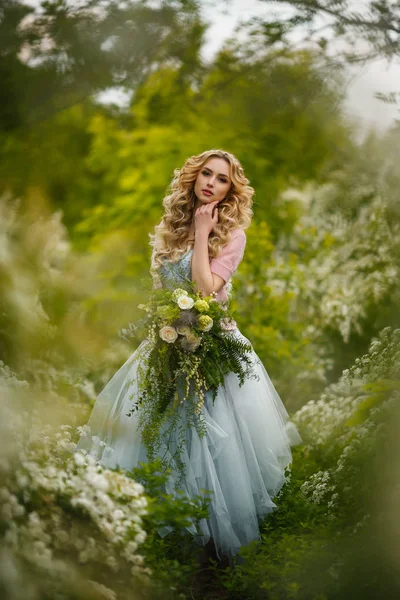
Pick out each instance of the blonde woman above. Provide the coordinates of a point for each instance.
(242, 457)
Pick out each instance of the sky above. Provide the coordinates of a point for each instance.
(364, 80)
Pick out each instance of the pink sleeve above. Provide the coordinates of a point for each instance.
(228, 260)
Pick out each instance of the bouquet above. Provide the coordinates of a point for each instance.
(188, 352)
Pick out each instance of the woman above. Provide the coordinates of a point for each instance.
(242, 457)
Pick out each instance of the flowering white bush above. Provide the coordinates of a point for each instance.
(348, 420)
(46, 286)
(347, 260)
(323, 420)
(60, 512)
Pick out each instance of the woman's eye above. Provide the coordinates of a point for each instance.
(219, 178)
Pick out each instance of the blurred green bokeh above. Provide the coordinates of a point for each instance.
(81, 187)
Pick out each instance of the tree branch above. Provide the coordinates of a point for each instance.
(381, 25)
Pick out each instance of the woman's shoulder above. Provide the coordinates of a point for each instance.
(237, 238)
(238, 232)
(230, 255)
(235, 244)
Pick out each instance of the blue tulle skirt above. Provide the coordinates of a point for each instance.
(241, 459)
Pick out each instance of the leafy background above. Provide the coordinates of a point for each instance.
(81, 186)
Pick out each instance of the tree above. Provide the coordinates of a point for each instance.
(62, 52)
(277, 112)
(54, 60)
(377, 24)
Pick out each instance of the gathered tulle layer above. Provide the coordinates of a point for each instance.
(241, 460)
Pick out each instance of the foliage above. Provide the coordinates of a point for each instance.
(316, 293)
(375, 22)
(72, 528)
(107, 170)
(134, 163)
(48, 333)
(356, 269)
(313, 301)
(169, 549)
(349, 427)
(268, 291)
(348, 401)
(57, 53)
(67, 525)
(338, 502)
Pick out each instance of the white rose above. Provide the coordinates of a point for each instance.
(168, 334)
(185, 302)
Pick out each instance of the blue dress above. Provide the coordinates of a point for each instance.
(241, 459)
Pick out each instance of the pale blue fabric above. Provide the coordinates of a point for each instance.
(241, 459)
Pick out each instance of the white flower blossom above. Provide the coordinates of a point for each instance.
(185, 302)
(62, 484)
(168, 334)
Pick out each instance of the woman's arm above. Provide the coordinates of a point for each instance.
(212, 276)
(205, 281)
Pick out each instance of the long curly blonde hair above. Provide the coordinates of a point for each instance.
(172, 235)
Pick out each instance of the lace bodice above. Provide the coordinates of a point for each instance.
(173, 274)
(179, 272)
(223, 265)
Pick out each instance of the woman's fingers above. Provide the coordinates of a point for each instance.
(206, 208)
(209, 208)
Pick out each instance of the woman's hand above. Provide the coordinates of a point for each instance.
(206, 217)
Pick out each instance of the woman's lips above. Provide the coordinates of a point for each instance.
(207, 192)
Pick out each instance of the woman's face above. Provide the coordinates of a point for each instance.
(213, 181)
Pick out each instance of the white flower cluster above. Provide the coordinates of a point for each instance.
(34, 251)
(336, 423)
(360, 272)
(9, 380)
(381, 361)
(190, 340)
(318, 486)
(323, 419)
(326, 487)
(349, 266)
(59, 510)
